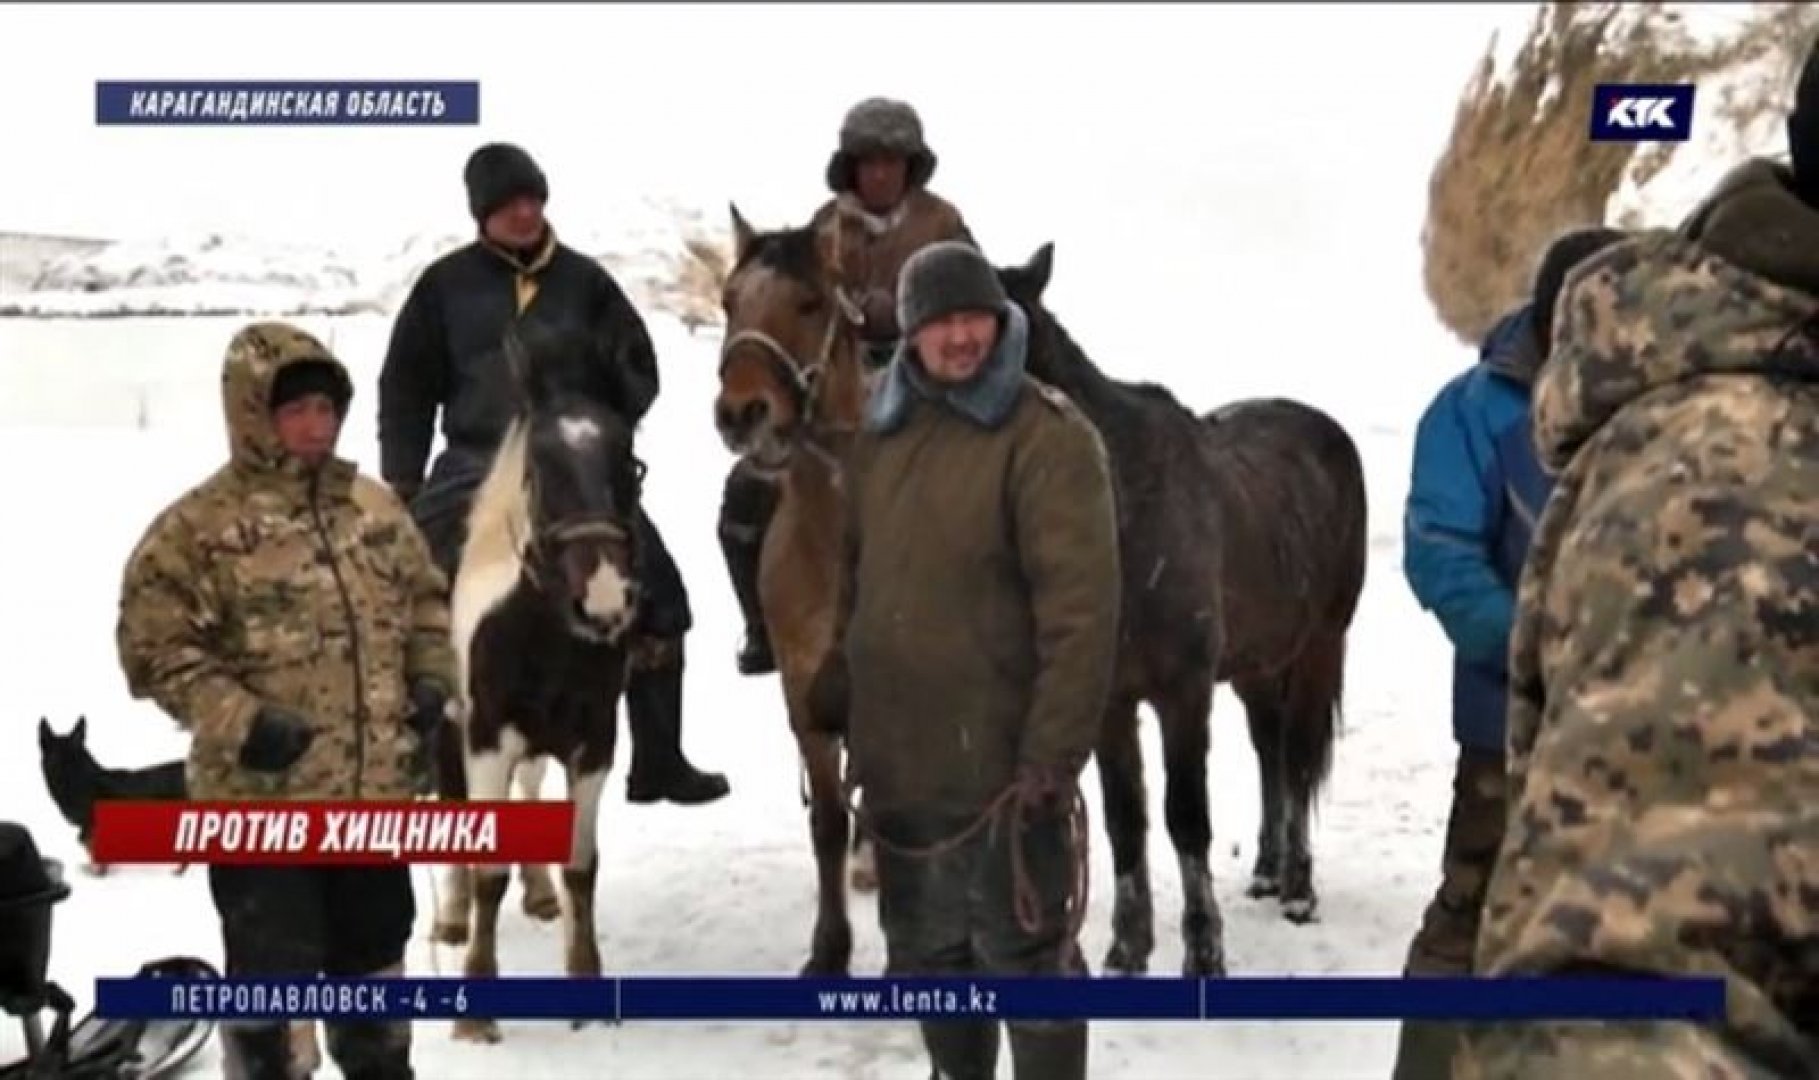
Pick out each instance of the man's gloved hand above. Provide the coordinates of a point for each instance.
(1045, 789)
(830, 695)
(429, 707)
(277, 740)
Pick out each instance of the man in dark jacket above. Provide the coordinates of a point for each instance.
(446, 356)
(976, 633)
(1474, 496)
(881, 212)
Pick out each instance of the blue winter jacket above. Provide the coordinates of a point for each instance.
(1474, 495)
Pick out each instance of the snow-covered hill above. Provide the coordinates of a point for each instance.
(659, 251)
(1519, 167)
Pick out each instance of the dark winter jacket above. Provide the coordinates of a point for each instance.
(982, 594)
(1475, 494)
(446, 347)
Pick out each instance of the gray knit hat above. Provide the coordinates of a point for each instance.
(880, 126)
(943, 278)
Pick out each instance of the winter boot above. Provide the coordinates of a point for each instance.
(372, 1051)
(258, 1050)
(653, 705)
(1049, 1051)
(1424, 1050)
(742, 566)
(961, 1049)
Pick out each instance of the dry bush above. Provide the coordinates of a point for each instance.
(1518, 167)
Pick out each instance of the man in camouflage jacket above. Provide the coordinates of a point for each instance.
(975, 638)
(880, 214)
(1664, 719)
(286, 612)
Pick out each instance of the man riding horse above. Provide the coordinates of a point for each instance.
(882, 212)
(446, 355)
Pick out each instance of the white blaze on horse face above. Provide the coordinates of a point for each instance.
(608, 596)
(578, 431)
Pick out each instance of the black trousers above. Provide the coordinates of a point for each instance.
(954, 914)
(309, 920)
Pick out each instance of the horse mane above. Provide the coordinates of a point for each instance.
(1079, 376)
(499, 519)
(791, 252)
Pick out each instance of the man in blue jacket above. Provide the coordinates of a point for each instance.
(1475, 493)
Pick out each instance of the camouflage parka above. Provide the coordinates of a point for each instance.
(265, 583)
(1664, 719)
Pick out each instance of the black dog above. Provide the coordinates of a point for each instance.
(76, 781)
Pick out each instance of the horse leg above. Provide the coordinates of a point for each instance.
(454, 902)
(456, 897)
(540, 901)
(582, 945)
(1316, 687)
(831, 948)
(1127, 827)
(489, 774)
(1185, 711)
(864, 872)
(1263, 710)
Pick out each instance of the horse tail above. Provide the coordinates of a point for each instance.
(1316, 711)
(1317, 687)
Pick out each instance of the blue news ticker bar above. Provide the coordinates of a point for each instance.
(257, 102)
(784, 998)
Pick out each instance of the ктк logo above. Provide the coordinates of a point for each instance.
(1635, 112)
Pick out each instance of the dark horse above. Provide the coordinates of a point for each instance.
(1242, 540)
(791, 390)
(543, 599)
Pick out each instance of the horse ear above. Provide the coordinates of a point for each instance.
(44, 729)
(81, 730)
(743, 233)
(1041, 266)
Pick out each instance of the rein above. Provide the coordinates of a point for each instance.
(805, 378)
(1014, 803)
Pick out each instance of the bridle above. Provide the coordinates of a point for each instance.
(804, 379)
(614, 529)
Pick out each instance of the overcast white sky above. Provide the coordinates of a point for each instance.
(1267, 160)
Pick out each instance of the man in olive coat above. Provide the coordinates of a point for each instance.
(977, 639)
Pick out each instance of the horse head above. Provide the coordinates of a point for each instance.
(789, 371)
(581, 480)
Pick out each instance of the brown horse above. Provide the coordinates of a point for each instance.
(791, 391)
(1242, 539)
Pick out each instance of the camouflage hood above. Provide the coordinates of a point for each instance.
(254, 358)
(1732, 292)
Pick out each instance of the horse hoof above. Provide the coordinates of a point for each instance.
(1203, 964)
(476, 1031)
(443, 933)
(822, 967)
(1121, 960)
(1263, 885)
(864, 879)
(544, 907)
(1301, 910)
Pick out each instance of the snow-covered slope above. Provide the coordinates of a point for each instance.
(654, 248)
(1518, 166)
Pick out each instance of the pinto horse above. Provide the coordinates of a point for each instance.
(1242, 542)
(543, 600)
(791, 391)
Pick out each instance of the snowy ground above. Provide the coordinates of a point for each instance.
(1224, 222)
(722, 889)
